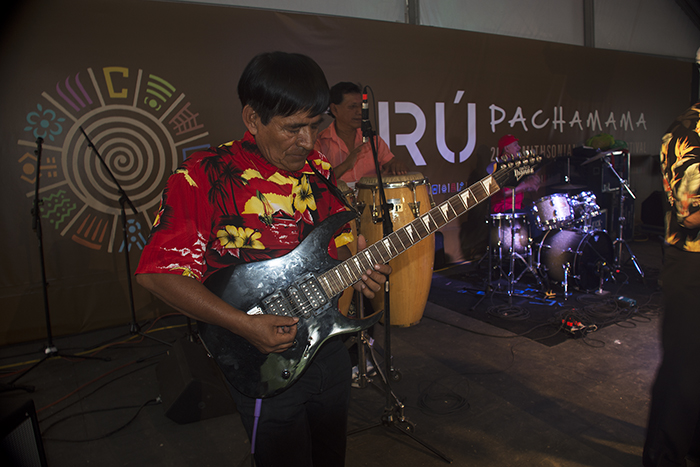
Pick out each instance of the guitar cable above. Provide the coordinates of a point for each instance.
(258, 407)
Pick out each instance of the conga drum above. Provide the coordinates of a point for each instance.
(346, 298)
(412, 272)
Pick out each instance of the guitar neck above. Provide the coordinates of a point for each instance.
(350, 271)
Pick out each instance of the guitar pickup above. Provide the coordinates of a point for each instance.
(307, 296)
(314, 294)
(276, 304)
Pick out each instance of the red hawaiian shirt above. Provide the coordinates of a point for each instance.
(229, 205)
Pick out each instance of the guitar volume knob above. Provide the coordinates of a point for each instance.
(286, 374)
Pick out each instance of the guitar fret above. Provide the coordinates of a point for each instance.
(358, 265)
(326, 283)
(370, 253)
(350, 274)
(455, 207)
(411, 233)
(383, 251)
(340, 280)
(369, 260)
(350, 271)
(395, 235)
(388, 245)
(442, 209)
(427, 219)
(420, 228)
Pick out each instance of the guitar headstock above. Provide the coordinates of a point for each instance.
(512, 171)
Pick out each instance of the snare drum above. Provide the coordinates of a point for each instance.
(506, 227)
(412, 272)
(552, 212)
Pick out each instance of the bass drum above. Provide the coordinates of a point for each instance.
(411, 272)
(585, 253)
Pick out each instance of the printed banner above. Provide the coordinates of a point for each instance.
(149, 83)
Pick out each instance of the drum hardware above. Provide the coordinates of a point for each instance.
(567, 185)
(567, 271)
(415, 208)
(364, 345)
(360, 206)
(415, 205)
(570, 254)
(603, 155)
(393, 415)
(620, 242)
(602, 270)
(514, 222)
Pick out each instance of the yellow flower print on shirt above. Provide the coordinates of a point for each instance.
(239, 237)
(186, 271)
(265, 205)
(303, 196)
(189, 179)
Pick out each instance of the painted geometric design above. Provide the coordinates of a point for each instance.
(138, 126)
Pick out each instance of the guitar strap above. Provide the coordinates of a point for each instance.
(334, 189)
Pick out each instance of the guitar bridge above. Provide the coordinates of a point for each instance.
(303, 298)
(277, 304)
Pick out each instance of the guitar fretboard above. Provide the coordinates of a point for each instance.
(350, 271)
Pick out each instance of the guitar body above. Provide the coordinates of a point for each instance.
(284, 286)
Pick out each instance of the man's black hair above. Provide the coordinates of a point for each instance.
(282, 84)
(339, 90)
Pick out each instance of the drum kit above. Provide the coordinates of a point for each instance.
(561, 239)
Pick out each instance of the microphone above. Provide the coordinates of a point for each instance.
(366, 127)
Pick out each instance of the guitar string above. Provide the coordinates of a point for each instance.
(303, 305)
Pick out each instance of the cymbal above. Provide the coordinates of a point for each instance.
(568, 186)
(602, 154)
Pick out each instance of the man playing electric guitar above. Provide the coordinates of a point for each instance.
(251, 201)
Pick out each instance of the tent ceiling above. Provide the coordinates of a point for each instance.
(692, 9)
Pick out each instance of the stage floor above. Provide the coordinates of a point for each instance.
(473, 391)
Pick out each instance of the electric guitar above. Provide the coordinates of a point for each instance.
(307, 283)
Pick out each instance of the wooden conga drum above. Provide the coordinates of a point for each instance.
(412, 271)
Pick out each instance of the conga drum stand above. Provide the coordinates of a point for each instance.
(393, 416)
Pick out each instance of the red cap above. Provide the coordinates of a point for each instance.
(505, 141)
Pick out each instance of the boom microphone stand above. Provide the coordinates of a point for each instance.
(393, 415)
(620, 242)
(134, 327)
(50, 350)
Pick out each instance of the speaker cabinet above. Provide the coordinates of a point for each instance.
(191, 385)
(20, 438)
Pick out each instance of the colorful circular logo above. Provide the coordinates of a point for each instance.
(108, 139)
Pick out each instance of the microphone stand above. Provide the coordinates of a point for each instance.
(50, 350)
(393, 415)
(134, 327)
(620, 241)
